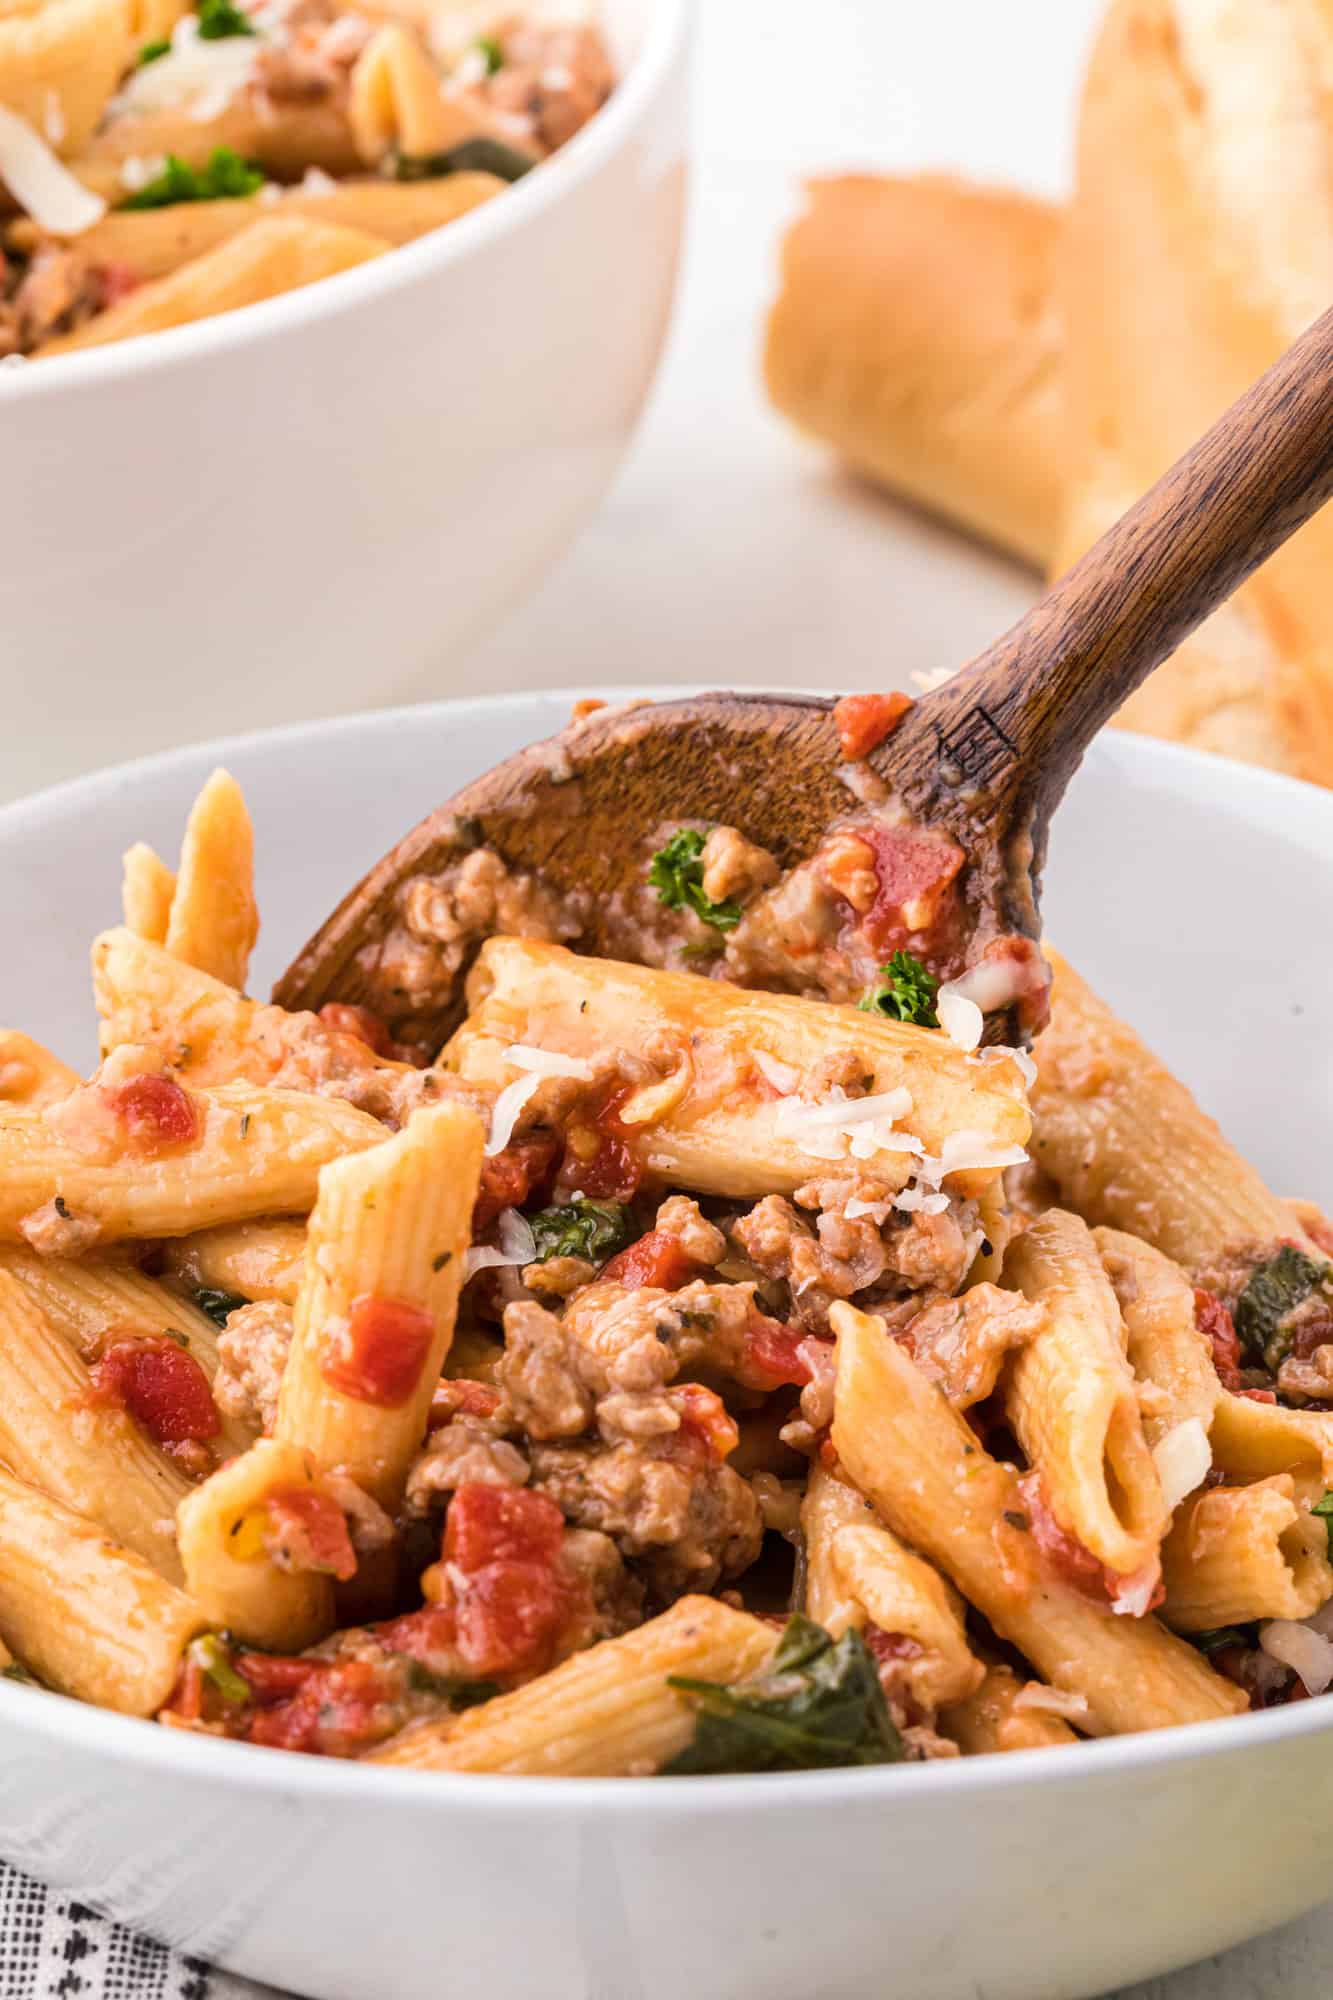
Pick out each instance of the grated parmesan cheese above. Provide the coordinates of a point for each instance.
(197, 77)
(505, 1110)
(542, 1062)
(42, 184)
(1183, 1458)
(517, 1245)
(1044, 1700)
(780, 1074)
(1307, 1652)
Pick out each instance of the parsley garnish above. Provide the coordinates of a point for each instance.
(677, 873)
(459, 1694)
(905, 992)
(470, 156)
(218, 1304)
(211, 1656)
(226, 177)
(153, 51)
(1274, 1291)
(591, 1229)
(219, 20)
(489, 47)
(818, 1704)
(1324, 1509)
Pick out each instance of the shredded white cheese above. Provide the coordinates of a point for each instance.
(1045, 1700)
(505, 1110)
(1134, 1594)
(42, 184)
(1307, 1652)
(878, 1211)
(517, 1245)
(1183, 1458)
(960, 1017)
(542, 1062)
(781, 1075)
(198, 77)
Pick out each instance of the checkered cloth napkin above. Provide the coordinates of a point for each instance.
(52, 1948)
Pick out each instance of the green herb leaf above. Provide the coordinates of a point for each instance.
(677, 873)
(152, 52)
(1274, 1291)
(471, 156)
(905, 991)
(818, 1704)
(487, 45)
(14, 1672)
(226, 177)
(459, 1694)
(218, 1304)
(219, 20)
(591, 1229)
(1324, 1508)
(1223, 1636)
(213, 1659)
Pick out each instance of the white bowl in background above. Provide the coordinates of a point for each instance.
(1040, 1876)
(312, 504)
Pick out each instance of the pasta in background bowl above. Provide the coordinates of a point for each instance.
(1014, 1872)
(295, 486)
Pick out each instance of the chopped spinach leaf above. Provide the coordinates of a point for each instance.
(489, 47)
(219, 20)
(1274, 1291)
(213, 1658)
(1223, 1636)
(677, 873)
(459, 1694)
(152, 52)
(591, 1229)
(471, 156)
(905, 991)
(218, 1304)
(818, 1704)
(225, 176)
(1324, 1508)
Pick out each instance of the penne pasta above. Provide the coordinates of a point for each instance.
(1128, 1146)
(1000, 1716)
(375, 1314)
(93, 1301)
(604, 1713)
(249, 1260)
(154, 242)
(60, 63)
(286, 146)
(1251, 1440)
(30, 1075)
(1072, 1399)
(86, 1616)
(274, 254)
(147, 886)
(258, 1152)
(932, 1483)
(858, 1574)
(1165, 1346)
(714, 1123)
(225, 1531)
(88, 1454)
(395, 104)
(1236, 1553)
(213, 922)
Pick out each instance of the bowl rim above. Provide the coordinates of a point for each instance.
(132, 1741)
(347, 291)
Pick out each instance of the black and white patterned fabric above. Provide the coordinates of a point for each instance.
(53, 1948)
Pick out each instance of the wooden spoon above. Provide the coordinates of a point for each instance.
(984, 759)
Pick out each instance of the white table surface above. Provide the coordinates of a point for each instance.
(727, 548)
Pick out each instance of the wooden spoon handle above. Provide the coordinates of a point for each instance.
(1021, 716)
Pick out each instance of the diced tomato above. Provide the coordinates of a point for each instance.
(461, 1397)
(773, 1353)
(489, 1524)
(915, 871)
(1258, 1395)
(311, 1529)
(1215, 1322)
(342, 1707)
(510, 1177)
(378, 1356)
(888, 1646)
(161, 1385)
(272, 1676)
(863, 720)
(607, 1169)
(429, 1635)
(155, 1112)
(656, 1259)
(707, 1431)
(510, 1616)
(362, 1022)
(1068, 1556)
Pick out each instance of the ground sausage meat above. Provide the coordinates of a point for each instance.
(252, 1353)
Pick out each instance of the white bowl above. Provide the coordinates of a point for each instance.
(311, 504)
(1196, 894)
